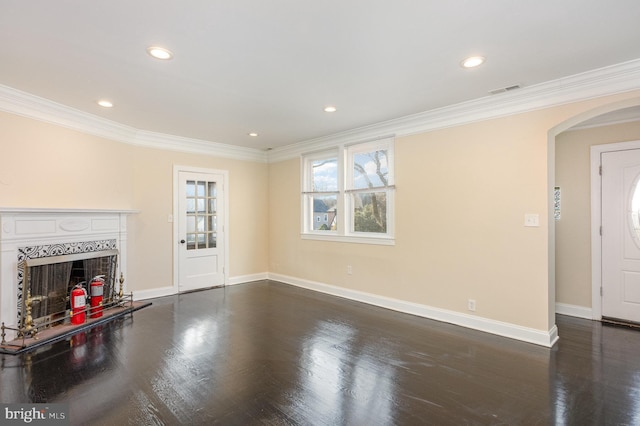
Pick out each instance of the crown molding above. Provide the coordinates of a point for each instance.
(196, 146)
(592, 84)
(27, 105)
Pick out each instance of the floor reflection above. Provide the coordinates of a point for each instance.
(81, 357)
(595, 376)
(268, 353)
(345, 381)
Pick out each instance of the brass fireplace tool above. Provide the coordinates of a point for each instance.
(121, 292)
(28, 328)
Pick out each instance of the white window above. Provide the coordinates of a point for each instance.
(354, 186)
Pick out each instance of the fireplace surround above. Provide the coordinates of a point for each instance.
(46, 234)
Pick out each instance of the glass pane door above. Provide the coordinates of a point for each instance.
(201, 215)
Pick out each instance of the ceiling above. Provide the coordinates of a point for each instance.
(271, 67)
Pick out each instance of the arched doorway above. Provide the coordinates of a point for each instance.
(602, 116)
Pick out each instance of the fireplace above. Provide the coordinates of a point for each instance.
(49, 281)
(33, 240)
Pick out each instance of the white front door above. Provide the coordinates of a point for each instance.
(621, 235)
(200, 230)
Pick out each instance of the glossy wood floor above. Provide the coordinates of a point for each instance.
(269, 353)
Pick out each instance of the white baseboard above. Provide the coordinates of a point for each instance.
(241, 279)
(513, 331)
(574, 311)
(153, 293)
(169, 291)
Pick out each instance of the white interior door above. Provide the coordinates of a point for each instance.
(621, 235)
(200, 234)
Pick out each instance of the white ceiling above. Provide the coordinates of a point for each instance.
(272, 66)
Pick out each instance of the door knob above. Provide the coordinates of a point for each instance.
(182, 241)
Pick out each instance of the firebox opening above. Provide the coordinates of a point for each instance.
(51, 279)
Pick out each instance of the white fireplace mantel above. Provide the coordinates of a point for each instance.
(68, 229)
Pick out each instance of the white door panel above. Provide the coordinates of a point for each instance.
(620, 239)
(200, 233)
(201, 271)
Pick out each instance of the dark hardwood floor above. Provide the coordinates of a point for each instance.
(269, 353)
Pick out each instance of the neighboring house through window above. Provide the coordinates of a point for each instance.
(348, 193)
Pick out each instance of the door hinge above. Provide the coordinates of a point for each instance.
(601, 231)
(600, 170)
(600, 291)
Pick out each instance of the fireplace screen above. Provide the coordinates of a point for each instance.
(51, 279)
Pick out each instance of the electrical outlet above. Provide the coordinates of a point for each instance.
(349, 270)
(471, 305)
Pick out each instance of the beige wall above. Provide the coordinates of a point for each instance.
(573, 230)
(42, 165)
(462, 194)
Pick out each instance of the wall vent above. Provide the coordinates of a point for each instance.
(505, 89)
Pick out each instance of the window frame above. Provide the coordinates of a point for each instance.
(345, 216)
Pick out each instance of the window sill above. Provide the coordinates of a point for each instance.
(381, 241)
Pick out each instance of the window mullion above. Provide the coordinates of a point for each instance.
(372, 189)
(342, 208)
(320, 192)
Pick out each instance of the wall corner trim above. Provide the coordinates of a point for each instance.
(512, 331)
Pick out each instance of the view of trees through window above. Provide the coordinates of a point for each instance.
(348, 191)
(370, 208)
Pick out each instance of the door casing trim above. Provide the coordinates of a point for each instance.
(596, 220)
(176, 237)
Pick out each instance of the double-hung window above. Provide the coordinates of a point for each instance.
(348, 193)
(321, 191)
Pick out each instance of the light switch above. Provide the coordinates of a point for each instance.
(531, 219)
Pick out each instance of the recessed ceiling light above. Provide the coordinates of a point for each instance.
(330, 109)
(253, 134)
(159, 52)
(105, 103)
(472, 62)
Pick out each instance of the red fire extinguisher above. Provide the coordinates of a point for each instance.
(97, 286)
(78, 303)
